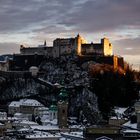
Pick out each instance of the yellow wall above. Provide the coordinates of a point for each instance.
(107, 47)
(80, 40)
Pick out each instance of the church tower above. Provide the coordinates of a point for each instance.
(63, 108)
(53, 111)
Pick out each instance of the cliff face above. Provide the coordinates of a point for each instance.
(65, 69)
(82, 102)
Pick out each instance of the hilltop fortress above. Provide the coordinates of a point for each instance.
(63, 46)
(99, 52)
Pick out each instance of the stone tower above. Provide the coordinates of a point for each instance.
(107, 47)
(79, 41)
(62, 108)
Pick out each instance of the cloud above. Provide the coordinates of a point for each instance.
(134, 61)
(80, 15)
(6, 48)
(127, 46)
(104, 15)
(17, 15)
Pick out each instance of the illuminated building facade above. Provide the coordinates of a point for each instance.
(101, 49)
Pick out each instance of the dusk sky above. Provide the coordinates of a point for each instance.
(30, 22)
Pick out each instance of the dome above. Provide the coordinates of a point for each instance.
(63, 95)
(53, 108)
(33, 67)
(34, 70)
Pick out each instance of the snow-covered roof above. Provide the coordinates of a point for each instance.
(47, 127)
(28, 122)
(8, 118)
(54, 122)
(131, 131)
(31, 102)
(120, 110)
(3, 113)
(3, 118)
(117, 118)
(129, 124)
(75, 126)
(18, 114)
(42, 135)
(15, 104)
(28, 102)
(1, 124)
(73, 135)
(43, 108)
(46, 121)
(24, 129)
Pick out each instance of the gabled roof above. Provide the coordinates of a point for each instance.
(104, 138)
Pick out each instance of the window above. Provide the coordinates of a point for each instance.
(63, 111)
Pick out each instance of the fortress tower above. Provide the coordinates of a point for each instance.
(107, 47)
(79, 41)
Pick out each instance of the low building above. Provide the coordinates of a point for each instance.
(117, 121)
(41, 111)
(14, 107)
(40, 50)
(131, 134)
(137, 106)
(99, 132)
(53, 112)
(119, 118)
(24, 124)
(28, 107)
(24, 108)
(21, 116)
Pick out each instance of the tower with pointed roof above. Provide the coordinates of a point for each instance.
(53, 111)
(45, 44)
(63, 108)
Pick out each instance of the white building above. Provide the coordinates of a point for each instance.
(27, 108)
(41, 111)
(34, 70)
(24, 124)
(14, 107)
(53, 112)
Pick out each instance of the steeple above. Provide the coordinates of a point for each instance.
(78, 35)
(45, 43)
(53, 105)
(53, 110)
(63, 95)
